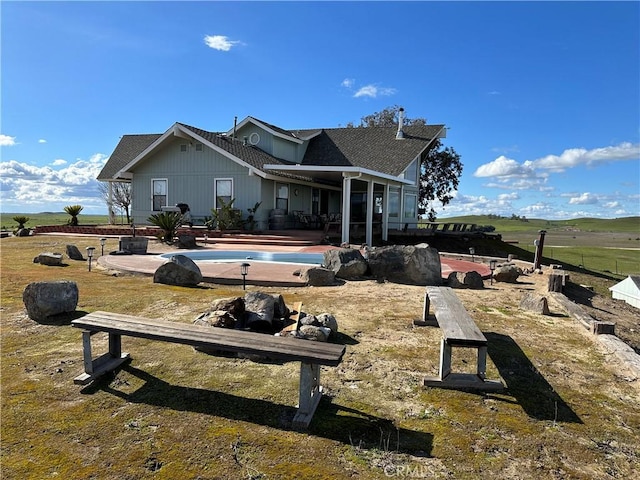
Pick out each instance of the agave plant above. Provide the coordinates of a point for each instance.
(168, 222)
(74, 211)
(21, 220)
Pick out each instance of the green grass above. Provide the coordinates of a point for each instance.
(50, 218)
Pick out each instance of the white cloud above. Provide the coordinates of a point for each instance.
(504, 167)
(42, 140)
(348, 83)
(579, 156)
(45, 187)
(374, 91)
(7, 141)
(220, 42)
(584, 199)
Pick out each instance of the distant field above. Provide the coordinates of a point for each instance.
(50, 218)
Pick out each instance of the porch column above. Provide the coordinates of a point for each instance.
(369, 219)
(385, 213)
(346, 208)
(111, 213)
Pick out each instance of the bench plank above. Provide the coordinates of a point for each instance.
(278, 348)
(458, 328)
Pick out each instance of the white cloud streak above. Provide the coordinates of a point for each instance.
(7, 141)
(220, 42)
(374, 91)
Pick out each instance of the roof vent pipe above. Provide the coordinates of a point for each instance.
(400, 134)
(235, 124)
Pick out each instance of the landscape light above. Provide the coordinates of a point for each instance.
(103, 241)
(492, 267)
(472, 251)
(90, 255)
(244, 269)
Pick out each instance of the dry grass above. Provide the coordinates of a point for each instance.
(569, 412)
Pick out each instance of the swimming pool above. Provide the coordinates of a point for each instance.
(231, 256)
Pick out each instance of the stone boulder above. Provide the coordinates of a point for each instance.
(535, 303)
(346, 263)
(507, 273)
(46, 299)
(49, 259)
(186, 241)
(23, 232)
(318, 276)
(471, 280)
(415, 265)
(313, 332)
(74, 253)
(260, 310)
(179, 270)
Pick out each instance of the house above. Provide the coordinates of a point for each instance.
(628, 290)
(361, 178)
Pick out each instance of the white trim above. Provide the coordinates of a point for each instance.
(346, 171)
(264, 127)
(254, 138)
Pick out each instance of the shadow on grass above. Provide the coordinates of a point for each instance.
(62, 318)
(523, 380)
(331, 421)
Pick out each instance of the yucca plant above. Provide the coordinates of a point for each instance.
(74, 211)
(21, 220)
(168, 222)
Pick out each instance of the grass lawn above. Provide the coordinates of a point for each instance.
(569, 411)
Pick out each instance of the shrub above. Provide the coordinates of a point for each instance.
(225, 217)
(74, 211)
(168, 222)
(21, 220)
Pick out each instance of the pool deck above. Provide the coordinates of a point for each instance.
(260, 273)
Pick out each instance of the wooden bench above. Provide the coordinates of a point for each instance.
(458, 330)
(311, 354)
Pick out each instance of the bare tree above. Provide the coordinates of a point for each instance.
(120, 197)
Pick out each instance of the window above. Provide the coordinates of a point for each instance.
(254, 138)
(282, 197)
(198, 147)
(410, 205)
(223, 191)
(183, 147)
(159, 189)
(411, 173)
(394, 203)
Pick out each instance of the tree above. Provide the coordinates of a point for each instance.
(74, 211)
(120, 196)
(440, 168)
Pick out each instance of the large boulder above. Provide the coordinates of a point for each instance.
(318, 276)
(508, 273)
(50, 259)
(346, 263)
(46, 299)
(260, 310)
(186, 241)
(408, 264)
(74, 253)
(470, 279)
(180, 270)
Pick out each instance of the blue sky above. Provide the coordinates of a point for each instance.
(542, 99)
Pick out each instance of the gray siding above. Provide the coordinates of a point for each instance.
(284, 149)
(191, 178)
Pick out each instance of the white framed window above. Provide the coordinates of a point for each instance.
(394, 203)
(159, 189)
(199, 147)
(410, 205)
(411, 173)
(254, 138)
(223, 190)
(282, 197)
(184, 147)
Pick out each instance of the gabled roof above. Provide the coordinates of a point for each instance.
(274, 130)
(370, 149)
(129, 147)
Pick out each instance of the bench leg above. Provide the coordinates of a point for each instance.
(309, 395)
(93, 368)
(482, 362)
(445, 359)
